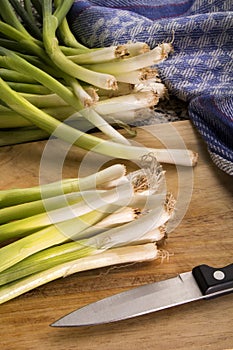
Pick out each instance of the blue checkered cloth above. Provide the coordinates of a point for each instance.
(200, 69)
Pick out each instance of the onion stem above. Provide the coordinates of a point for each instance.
(8, 14)
(51, 83)
(87, 141)
(82, 203)
(45, 238)
(154, 56)
(101, 178)
(50, 24)
(115, 256)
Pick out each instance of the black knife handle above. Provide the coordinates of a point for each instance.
(211, 280)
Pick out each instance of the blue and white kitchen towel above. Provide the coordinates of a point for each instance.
(200, 69)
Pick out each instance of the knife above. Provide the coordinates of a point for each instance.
(203, 282)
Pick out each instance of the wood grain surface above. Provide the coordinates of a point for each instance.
(203, 234)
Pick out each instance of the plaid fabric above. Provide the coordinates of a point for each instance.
(200, 69)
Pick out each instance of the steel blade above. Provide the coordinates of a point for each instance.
(135, 302)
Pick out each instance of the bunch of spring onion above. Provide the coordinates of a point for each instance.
(60, 228)
(53, 85)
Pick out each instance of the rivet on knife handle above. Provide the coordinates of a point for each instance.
(212, 280)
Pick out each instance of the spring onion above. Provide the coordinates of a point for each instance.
(101, 178)
(88, 238)
(122, 255)
(52, 85)
(73, 73)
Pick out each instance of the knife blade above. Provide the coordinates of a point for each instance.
(201, 283)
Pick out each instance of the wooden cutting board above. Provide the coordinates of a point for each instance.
(203, 234)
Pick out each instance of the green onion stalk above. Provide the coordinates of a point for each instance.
(65, 71)
(124, 108)
(21, 65)
(11, 197)
(116, 256)
(87, 141)
(50, 25)
(22, 135)
(68, 251)
(50, 236)
(81, 203)
(103, 230)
